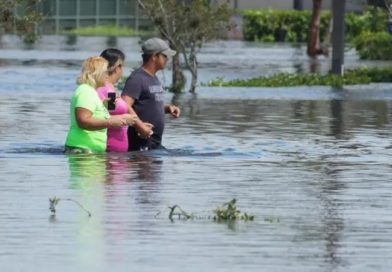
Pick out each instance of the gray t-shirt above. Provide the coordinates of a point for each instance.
(148, 94)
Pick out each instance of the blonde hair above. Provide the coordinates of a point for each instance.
(93, 71)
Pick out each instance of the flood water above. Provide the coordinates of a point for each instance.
(312, 164)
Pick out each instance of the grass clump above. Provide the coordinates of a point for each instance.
(228, 212)
(351, 77)
(103, 31)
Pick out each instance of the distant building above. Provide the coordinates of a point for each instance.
(352, 5)
(70, 14)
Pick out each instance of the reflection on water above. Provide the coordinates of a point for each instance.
(113, 168)
(337, 126)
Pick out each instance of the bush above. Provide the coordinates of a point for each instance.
(372, 20)
(280, 25)
(293, 25)
(351, 77)
(374, 46)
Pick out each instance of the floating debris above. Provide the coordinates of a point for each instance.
(228, 212)
(53, 202)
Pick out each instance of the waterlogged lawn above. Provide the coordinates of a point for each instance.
(105, 31)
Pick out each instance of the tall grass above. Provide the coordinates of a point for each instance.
(104, 31)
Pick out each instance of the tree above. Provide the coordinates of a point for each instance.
(187, 24)
(314, 48)
(19, 17)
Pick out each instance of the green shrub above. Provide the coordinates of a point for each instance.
(351, 77)
(374, 46)
(280, 25)
(372, 20)
(293, 25)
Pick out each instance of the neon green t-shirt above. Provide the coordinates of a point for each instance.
(86, 97)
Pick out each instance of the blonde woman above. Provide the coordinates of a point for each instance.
(89, 116)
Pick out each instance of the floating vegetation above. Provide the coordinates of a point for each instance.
(53, 202)
(179, 213)
(362, 75)
(272, 220)
(228, 212)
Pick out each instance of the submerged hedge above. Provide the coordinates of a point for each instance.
(374, 46)
(293, 25)
(351, 77)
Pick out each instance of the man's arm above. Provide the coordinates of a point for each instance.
(173, 110)
(144, 129)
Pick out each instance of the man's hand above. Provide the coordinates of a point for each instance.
(144, 130)
(173, 110)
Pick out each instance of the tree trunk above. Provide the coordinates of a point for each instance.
(314, 39)
(326, 44)
(193, 67)
(178, 78)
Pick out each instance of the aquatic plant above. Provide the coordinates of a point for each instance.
(228, 212)
(53, 202)
(362, 75)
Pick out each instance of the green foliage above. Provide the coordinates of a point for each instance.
(108, 30)
(229, 212)
(280, 25)
(372, 20)
(19, 17)
(262, 25)
(374, 46)
(351, 77)
(187, 25)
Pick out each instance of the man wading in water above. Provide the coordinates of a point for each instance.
(145, 94)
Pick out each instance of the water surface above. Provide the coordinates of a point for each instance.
(312, 164)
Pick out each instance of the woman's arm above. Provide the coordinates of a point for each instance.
(85, 120)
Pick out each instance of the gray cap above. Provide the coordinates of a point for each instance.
(156, 45)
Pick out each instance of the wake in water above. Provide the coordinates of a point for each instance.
(39, 149)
